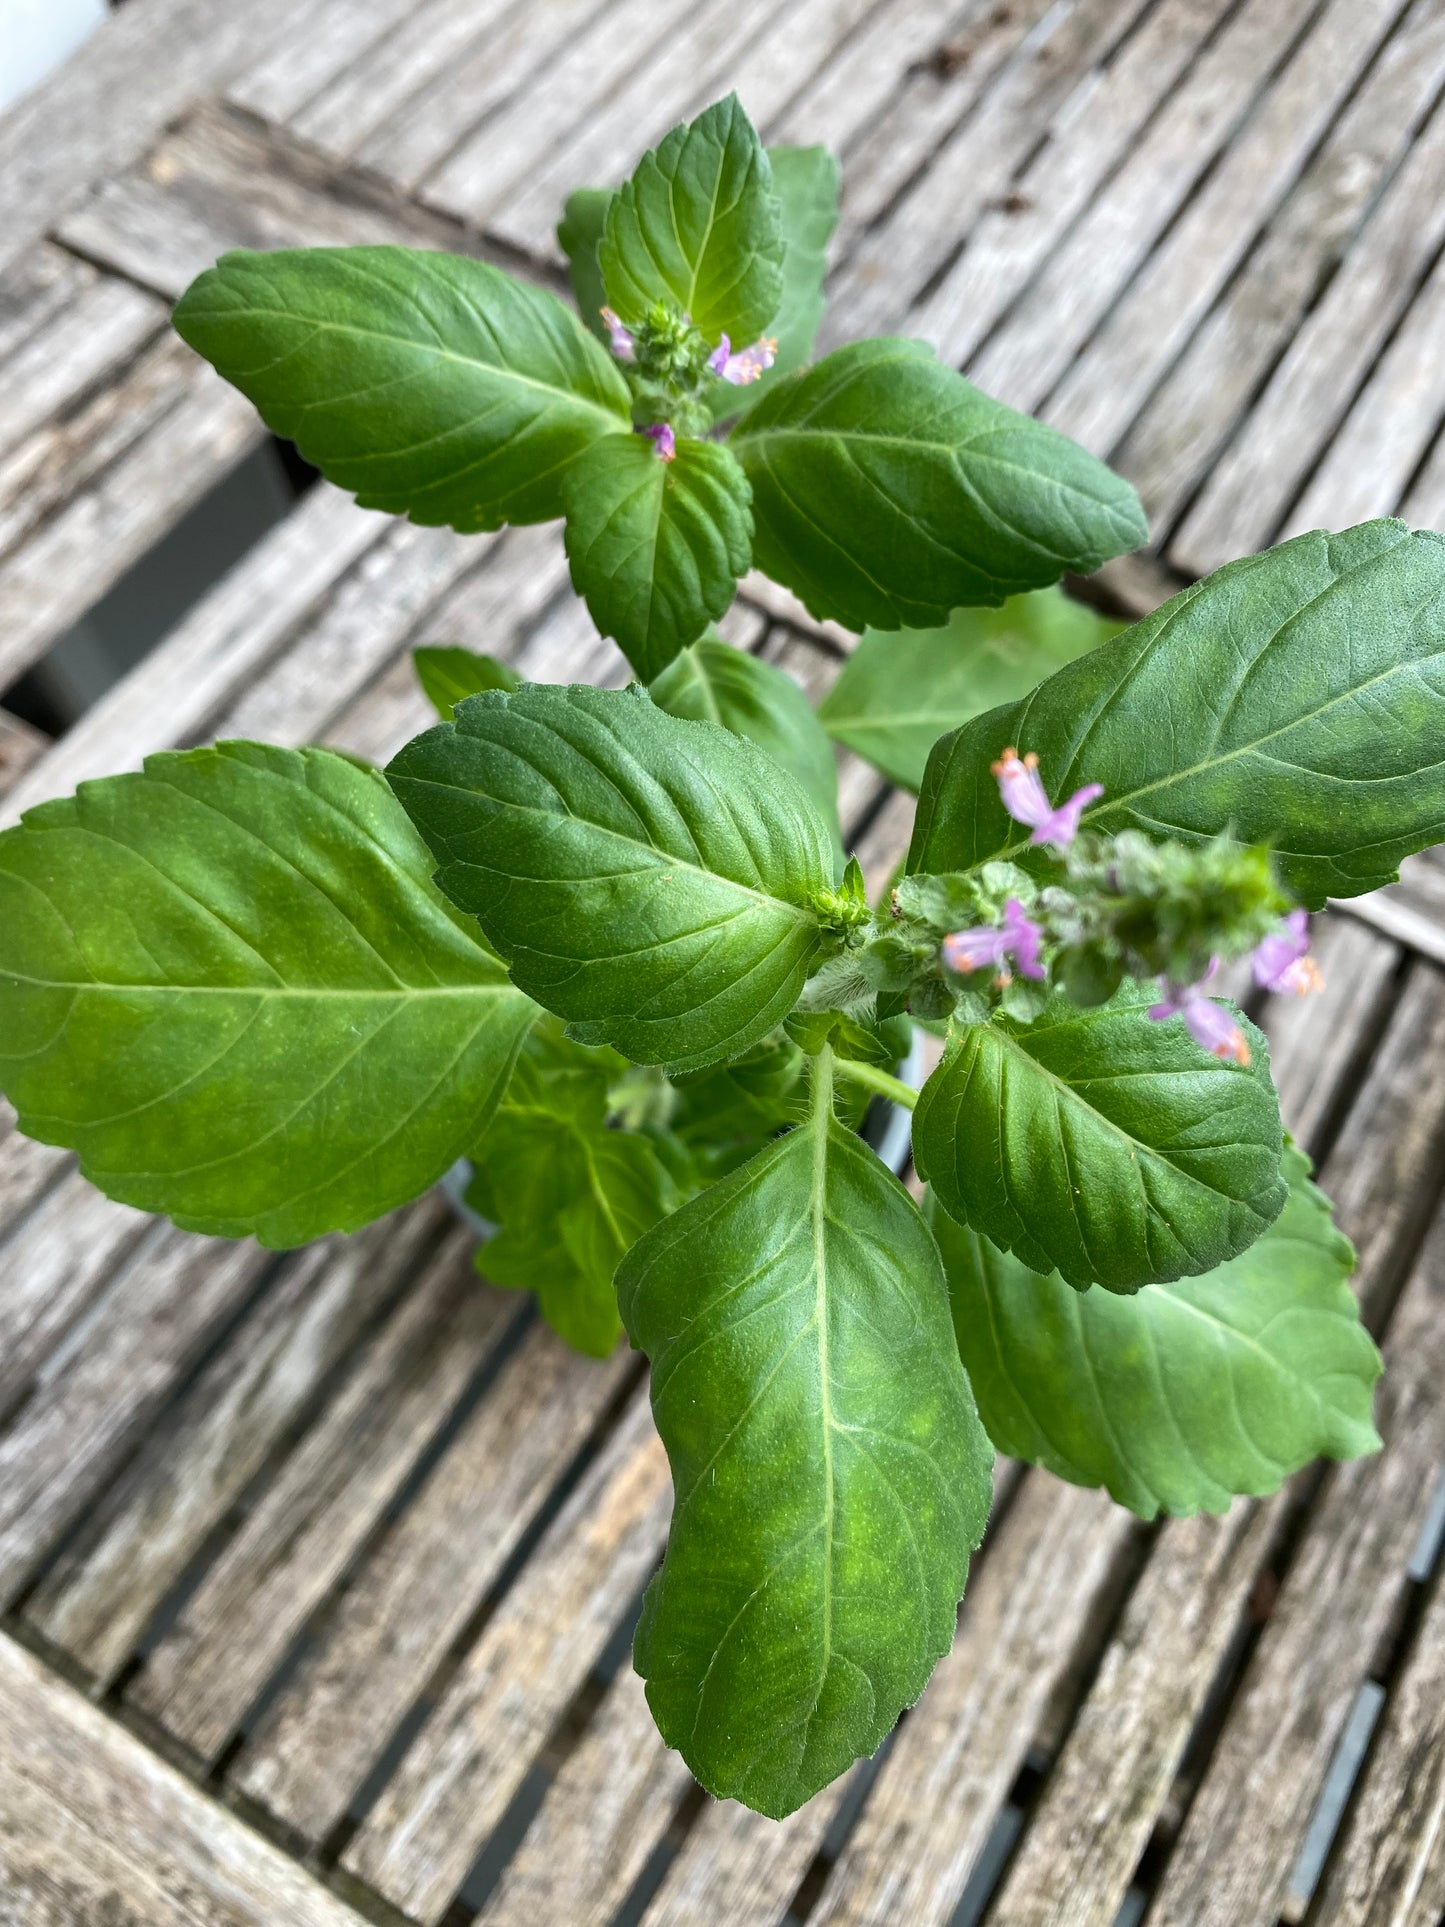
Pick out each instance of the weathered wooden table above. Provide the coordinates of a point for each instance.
(318, 1572)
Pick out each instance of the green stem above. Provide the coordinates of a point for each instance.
(877, 1081)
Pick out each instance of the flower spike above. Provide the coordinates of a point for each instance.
(1280, 963)
(748, 365)
(1022, 792)
(981, 948)
(663, 440)
(624, 344)
(1208, 1023)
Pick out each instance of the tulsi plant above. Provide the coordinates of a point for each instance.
(604, 943)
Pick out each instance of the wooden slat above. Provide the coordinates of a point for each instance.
(739, 1865)
(313, 1519)
(1413, 910)
(36, 287)
(1008, 243)
(1116, 236)
(1101, 393)
(81, 346)
(97, 1832)
(57, 1453)
(1054, 1560)
(1317, 1043)
(94, 114)
(216, 182)
(21, 746)
(290, 67)
(484, 80)
(1389, 1869)
(1250, 488)
(401, 1612)
(1192, 413)
(496, 1714)
(470, 178)
(1240, 1842)
(602, 1817)
(97, 1600)
(902, 252)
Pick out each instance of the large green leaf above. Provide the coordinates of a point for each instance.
(805, 180)
(888, 490)
(231, 986)
(569, 1194)
(899, 692)
(447, 673)
(656, 547)
(1102, 1145)
(1296, 698)
(428, 384)
(830, 1472)
(1186, 1394)
(698, 226)
(714, 683)
(648, 879)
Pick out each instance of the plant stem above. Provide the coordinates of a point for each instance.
(877, 1081)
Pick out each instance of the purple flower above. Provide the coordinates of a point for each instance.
(1280, 963)
(747, 366)
(1026, 800)
(1018, 937)
(1209, 1023)
(624, 344)
(663, 440)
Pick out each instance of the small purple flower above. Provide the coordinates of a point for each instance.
(1018, 937)
(1024, 797)
(740, 369)
(1209, 1023)
(663, 440)
(624, 344)
(1280, 963)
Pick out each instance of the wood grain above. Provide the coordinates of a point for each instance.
(327, 1500)
(494, 1717)
(95, 1831)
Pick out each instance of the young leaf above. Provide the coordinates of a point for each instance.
(805, 180)
(427, 384)
(698, 226)
(888, 490)
(726, 1114)
(831, 1475)
(1101, 1145)
(1186, 1394)
(447, 674)
(898, 693)
(579, 235)
(1304, 691)
(656, 547)
(230, 985)
(648, 879)
(569, 1194)
(712, 682)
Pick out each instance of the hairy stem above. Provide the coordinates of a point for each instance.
(880, 1082)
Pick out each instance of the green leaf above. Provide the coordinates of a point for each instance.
(899, 692)
(711, 682)
(698, 226)
(579, 235)
(427, 384)
(1304, 696)
(1181, 1397)
(447, 674)
(656, 547)
(1102, 1145)
(230, 985)
(830, 1472)
(888, 490)
(805, 180)
(727, 1113)
(648, 879)
(570, 1194)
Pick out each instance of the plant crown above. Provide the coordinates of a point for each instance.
(604, 944)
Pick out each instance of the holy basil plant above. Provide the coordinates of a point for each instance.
(603, 950)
